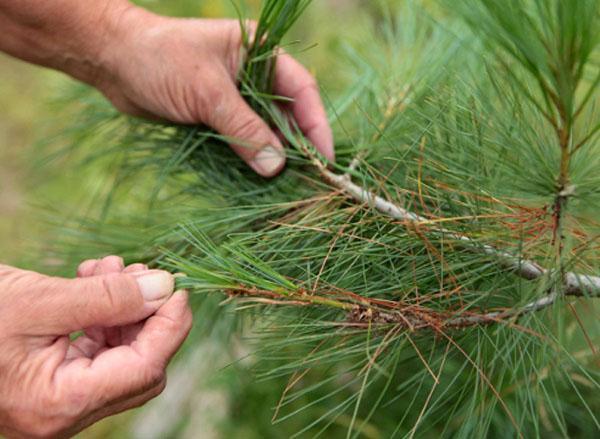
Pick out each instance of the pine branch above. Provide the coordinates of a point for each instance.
(363, 311)
(575, 284)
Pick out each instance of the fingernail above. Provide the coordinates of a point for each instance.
(268, 161)
(155, 284)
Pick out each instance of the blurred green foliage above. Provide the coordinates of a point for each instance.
(25, 91)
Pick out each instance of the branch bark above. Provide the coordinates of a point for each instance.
(494, 317)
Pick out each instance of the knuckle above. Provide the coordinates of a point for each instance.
(109, 290)
(136, 267)
(208, 98)
(155, 374)
(113, 259)
(118, 292)
(85, 266)
(310, 85)
(110, 264)
(170, 325)
(188, 320)
(104, 298)
(246, 128)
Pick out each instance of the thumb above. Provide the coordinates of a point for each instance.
(251, 138)
(60, 306)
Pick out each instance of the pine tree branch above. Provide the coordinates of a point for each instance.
(362, 311)
(575, 284)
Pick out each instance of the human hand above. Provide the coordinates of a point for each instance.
(185, 71)
(54, 387)
(176, 69)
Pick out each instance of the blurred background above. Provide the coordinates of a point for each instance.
(198, 401)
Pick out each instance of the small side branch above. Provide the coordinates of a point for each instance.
(498, 316)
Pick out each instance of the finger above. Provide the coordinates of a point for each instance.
(125, 371)
(294, 81)
(164, 332)
(60, 306)
(109, 264)
(135, 267)
(251, 138)
(136, 401)
(121, 406)
(96, 339)
(86, 268)
(117, 374)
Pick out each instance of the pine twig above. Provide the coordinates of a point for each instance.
(496, 316)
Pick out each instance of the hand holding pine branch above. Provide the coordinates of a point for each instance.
(183, 71)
